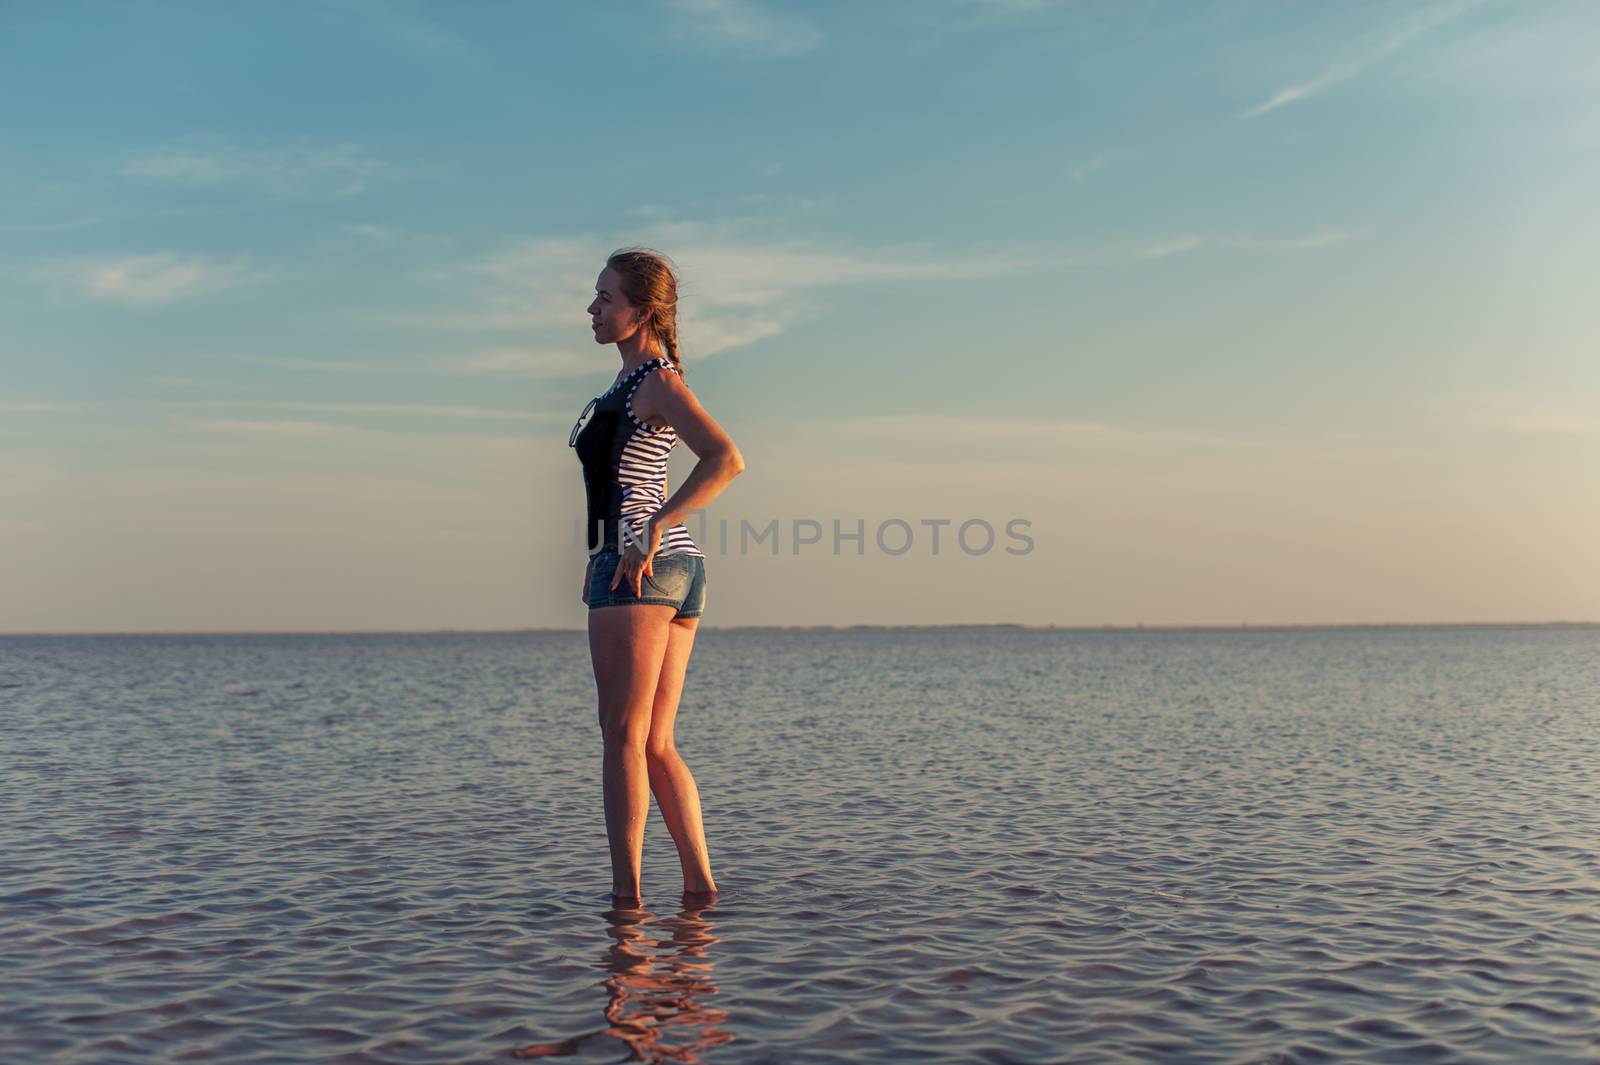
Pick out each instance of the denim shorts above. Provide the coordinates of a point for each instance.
(675, 580)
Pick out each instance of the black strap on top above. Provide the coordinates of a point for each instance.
(644, 368)
(572, 439)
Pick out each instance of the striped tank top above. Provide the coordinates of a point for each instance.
(625, 467)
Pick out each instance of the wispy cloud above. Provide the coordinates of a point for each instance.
(39, 408)
(1374, 50)
(1169, 248)
(405, 22)
(424, 410)
(736, 290)
(449, 453)
(1046, 439)
(939, 21)
(1084, 167)
(353, 437)
(756, 274)
(488, 362)
(393, 237)
(1513, 412)
(214, 385)
(518, 362)
(966, 15)
(303, 170)
(743, 28)
(1321, 238)
(1008, 431)
(47, 227)
(1007, 6)
(414, 410)
(289, 362)
(145, 280)
(279, 426)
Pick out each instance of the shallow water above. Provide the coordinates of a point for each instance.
(935, 845)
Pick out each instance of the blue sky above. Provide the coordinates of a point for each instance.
(1277, 312)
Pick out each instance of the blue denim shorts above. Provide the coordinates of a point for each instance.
(675, 580)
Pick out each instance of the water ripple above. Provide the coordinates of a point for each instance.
(990, 846)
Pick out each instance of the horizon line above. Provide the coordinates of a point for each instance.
(1010, 626)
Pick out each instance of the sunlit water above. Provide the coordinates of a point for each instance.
(938, 845)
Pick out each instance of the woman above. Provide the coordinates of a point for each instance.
(646, 584)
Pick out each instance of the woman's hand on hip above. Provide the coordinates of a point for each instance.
(636, 564)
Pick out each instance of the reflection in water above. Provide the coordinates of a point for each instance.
(659, 971)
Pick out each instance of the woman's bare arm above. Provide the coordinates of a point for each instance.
(663, 398)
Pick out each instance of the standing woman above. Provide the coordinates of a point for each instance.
(646, 583)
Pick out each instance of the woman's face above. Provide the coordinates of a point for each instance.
(612, 317)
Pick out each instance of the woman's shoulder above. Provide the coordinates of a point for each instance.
(658, 389)
(663, 377)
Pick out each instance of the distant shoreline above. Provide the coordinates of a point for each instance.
(997, 626)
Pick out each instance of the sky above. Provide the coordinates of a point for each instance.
(1210, 313)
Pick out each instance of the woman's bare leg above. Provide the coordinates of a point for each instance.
(670, 779)
(626, 646)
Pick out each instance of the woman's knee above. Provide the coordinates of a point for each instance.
(624, 732)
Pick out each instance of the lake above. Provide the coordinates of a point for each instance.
(951, 845)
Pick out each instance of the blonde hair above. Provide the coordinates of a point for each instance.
(648, 280)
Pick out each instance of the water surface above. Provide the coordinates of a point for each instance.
(933, 845)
